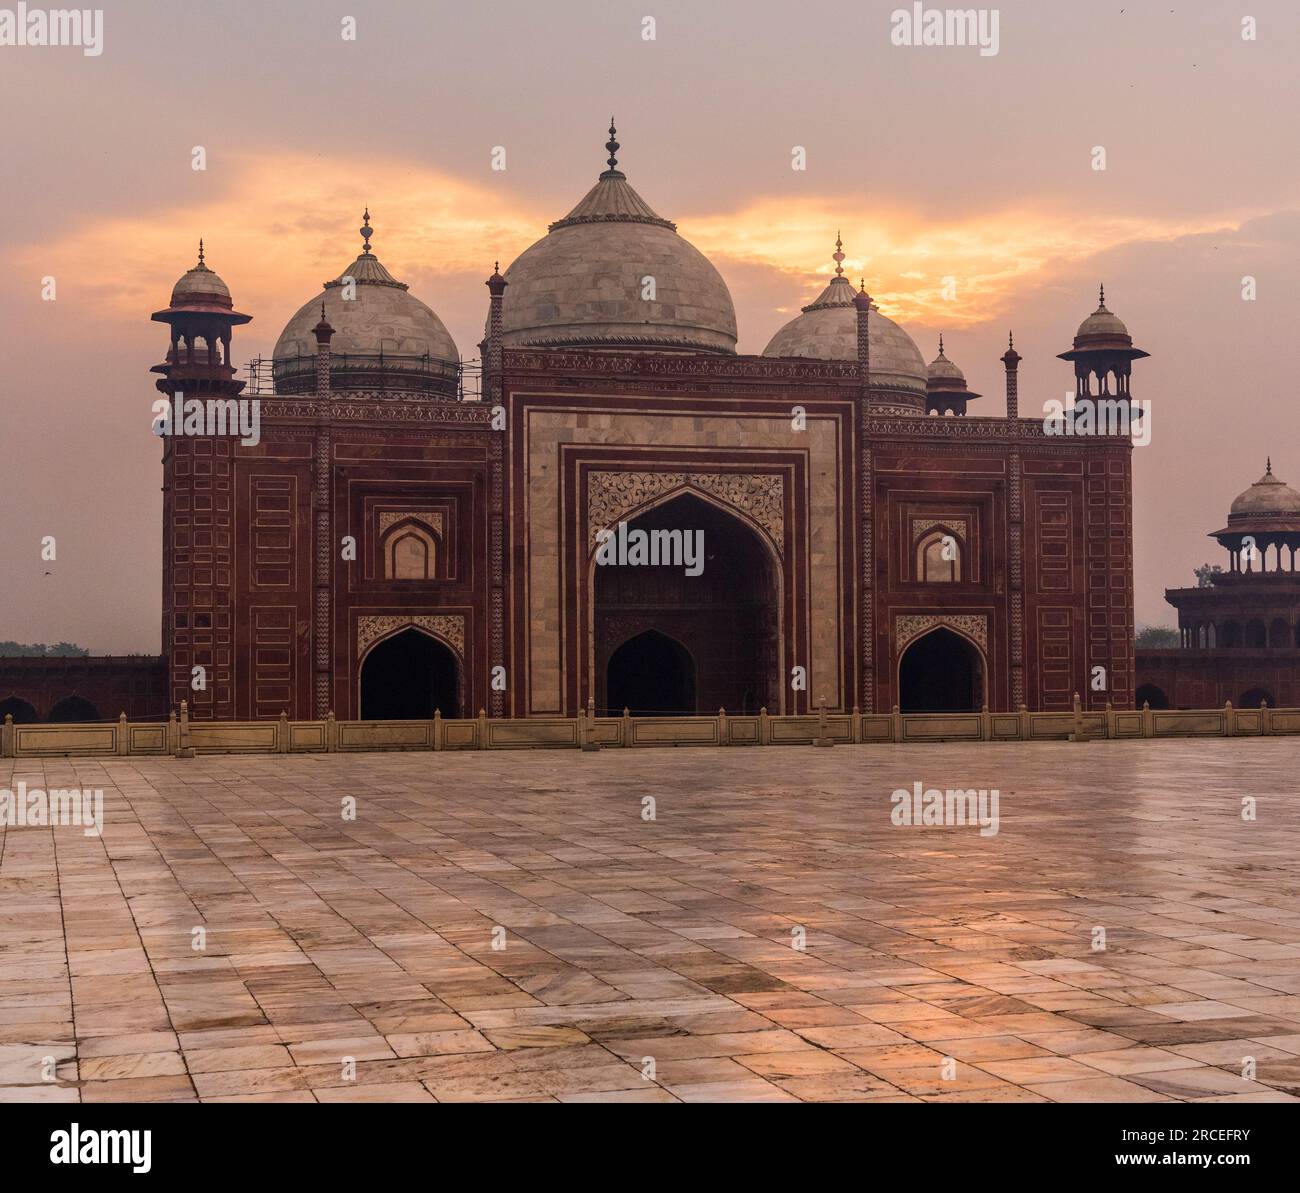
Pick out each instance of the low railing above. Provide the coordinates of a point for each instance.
(183, 738)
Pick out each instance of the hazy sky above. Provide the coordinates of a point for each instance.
(934, 162)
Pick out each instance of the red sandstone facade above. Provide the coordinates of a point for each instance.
(383, 548)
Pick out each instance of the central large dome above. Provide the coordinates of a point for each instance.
(613, 274)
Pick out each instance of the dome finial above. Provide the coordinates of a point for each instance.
(366, 231)
(200, 250)
(612, 146)
(838, 256)
(1101, 299)
(1268, 471)
(941, 343)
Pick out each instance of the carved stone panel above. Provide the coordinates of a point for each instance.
(449, 627)
(611, 495)
(908, 626)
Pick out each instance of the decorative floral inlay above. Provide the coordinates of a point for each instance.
(910, 625)
(610, 495)
(919, 525)
(430, 518)
(450, 627)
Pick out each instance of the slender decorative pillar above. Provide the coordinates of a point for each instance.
(322, 502)
(1015, 532)
(1011, 359)
(867, 620)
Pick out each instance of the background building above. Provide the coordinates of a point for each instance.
(1239, 630)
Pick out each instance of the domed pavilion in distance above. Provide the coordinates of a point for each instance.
(1239, 630)
(390, 548)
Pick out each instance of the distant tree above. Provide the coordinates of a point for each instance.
(36, 650)
(1205, 573)
(1156, 637)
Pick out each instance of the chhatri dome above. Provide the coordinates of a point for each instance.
(199, 289)
(581, 285)
(1267, 498)
(384, 337)
(942, 371)
(827, 329)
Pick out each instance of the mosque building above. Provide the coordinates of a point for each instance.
(394, 544)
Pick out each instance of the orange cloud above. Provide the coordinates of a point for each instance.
(991, 258)
(284, 225)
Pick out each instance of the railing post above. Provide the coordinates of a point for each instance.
(173, 733)
(331, 733)
(123, 735)
(7, 737)
(823, 738)
(1148, 721)
(986, 724)
(1022, 719)
(764, 727)
(896, 725)
(183, 747)
(437, 729)
(587, 723)
(625, 730)
(1078, 734)
(1265, 717)
(282, 735)
(722, 727)
(1229, 719)
(482, 729)
(855, 729)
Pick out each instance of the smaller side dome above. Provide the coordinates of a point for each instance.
(385, 339)
(827, 329)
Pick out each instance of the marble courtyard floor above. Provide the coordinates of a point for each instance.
(656, 960)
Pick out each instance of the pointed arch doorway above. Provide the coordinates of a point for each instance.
(941, 671)
(407, 675)
(669, 642)
(651, 674)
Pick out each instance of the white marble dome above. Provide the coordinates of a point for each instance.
(827, 329)
(382, 318)
(581, 285)
(1267, 496)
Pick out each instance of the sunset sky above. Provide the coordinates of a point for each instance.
(931, 162)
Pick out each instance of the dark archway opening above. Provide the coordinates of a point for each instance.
(724, 620)
(1252, 698)
(406, 677)
(22, 712)
(1151, 695)
(1231, 636)
(71, 709)
(940, 672)
(651, 675)
(1256, 635)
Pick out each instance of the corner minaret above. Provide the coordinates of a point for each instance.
(201, 315)
(1103, 352)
